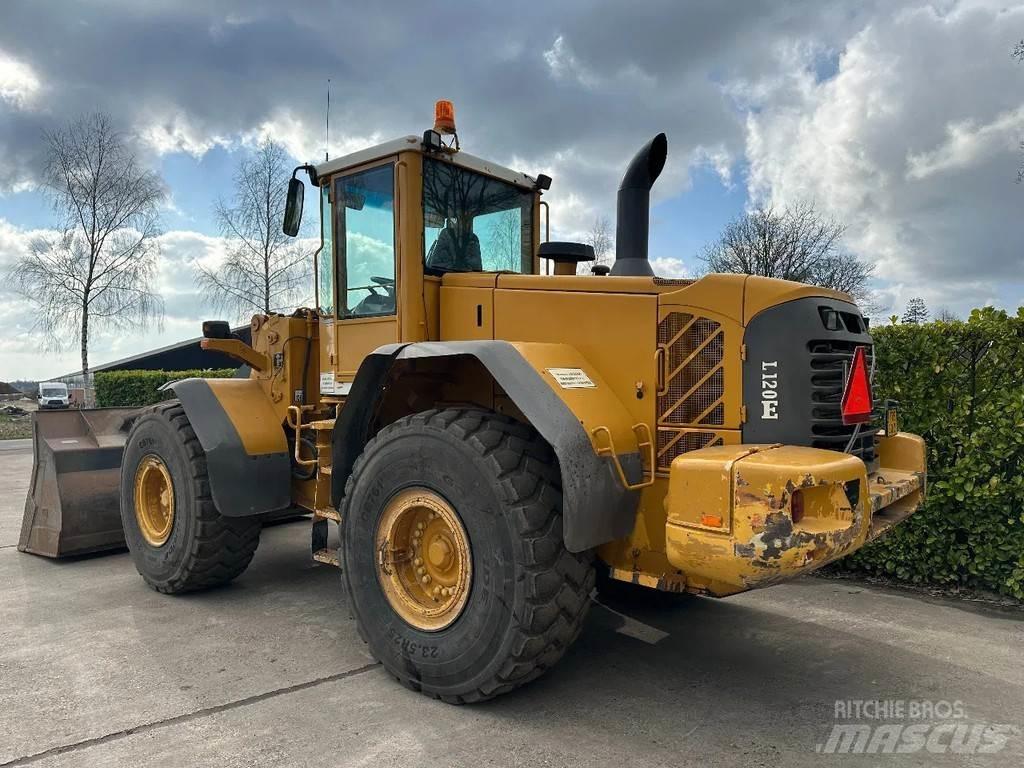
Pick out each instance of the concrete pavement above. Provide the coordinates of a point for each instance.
(96, 669)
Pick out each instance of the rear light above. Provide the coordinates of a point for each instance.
(857, 401)
(830, 318)
(796, 506)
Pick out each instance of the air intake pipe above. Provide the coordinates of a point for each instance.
(634, 208)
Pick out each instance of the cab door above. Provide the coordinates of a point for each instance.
(364, 203)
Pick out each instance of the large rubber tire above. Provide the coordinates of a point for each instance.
(204, 548)
(528, 596)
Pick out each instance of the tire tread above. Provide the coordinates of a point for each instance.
(223, 547)
(557, 583)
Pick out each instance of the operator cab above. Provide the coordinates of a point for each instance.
(395, 220)
(471, 216)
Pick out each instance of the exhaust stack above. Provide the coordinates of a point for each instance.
(634, 206)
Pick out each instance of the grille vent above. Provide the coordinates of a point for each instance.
(673, 442)
(694, 386)
(695, 377)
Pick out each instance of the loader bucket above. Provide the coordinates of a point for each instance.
(73, 504)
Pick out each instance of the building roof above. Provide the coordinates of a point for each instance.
(180, 356)
(7, 389)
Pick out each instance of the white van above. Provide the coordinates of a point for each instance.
(53, 394)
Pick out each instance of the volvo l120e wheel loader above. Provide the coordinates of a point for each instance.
(490, 437)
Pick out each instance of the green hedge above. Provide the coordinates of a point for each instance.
(131, 388)
(960, 386)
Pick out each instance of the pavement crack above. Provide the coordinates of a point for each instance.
(184, 718)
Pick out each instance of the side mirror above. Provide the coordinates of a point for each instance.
(293, 207)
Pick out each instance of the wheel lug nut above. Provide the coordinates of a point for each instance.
(418, 561)
(425, 579)
(421, 570)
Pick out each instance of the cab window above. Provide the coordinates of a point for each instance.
(325, 259)
(474, 223)
(364, 205)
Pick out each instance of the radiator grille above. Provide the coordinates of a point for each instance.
(695, 377)
(673, 442)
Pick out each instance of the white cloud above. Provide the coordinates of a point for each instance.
(176, 132)
(902, 119)
(304, 142)
(913, 143)
(180, 252)
(563, 64)
(967, 144)
(19, 84)
(669, 267)
(21, 353)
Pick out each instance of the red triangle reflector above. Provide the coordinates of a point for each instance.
(857, 403)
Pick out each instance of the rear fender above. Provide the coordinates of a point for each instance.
(597, 508)
(246, 448)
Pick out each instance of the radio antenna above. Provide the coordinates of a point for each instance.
(327, 144)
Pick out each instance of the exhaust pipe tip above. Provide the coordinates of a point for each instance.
(632, 225)
(647, 164)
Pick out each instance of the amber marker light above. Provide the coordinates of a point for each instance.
(444, 117)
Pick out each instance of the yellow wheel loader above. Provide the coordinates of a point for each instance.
(490, 431)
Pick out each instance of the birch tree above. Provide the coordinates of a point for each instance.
(99, 270)
(264, 270)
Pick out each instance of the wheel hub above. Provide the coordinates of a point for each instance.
(424, 559)
(154, 500)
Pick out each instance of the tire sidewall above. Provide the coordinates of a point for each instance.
(471, 648)
(154, 435)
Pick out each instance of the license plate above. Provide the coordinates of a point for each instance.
(892, 421)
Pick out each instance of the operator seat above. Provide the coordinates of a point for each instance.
(446, 255)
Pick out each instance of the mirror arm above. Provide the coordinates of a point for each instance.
(310, 170)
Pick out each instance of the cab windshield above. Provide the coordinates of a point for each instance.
(474, 223)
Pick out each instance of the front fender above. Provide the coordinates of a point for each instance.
(597, 508)
(245, 445)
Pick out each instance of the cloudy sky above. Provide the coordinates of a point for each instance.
(902, 119)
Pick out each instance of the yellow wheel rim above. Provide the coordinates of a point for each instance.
(424, 560)
(154, 500)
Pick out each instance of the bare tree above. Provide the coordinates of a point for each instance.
(600, 238)
(100, 269)
(946, 315)
(916, 311)
(506, 242)
(797, 243)
(264, 270)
